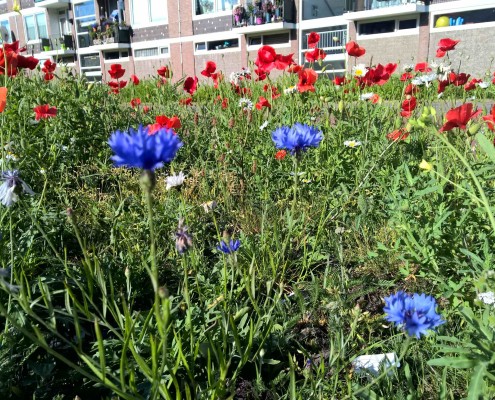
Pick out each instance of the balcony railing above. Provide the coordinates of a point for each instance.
(332, 42)
(280, 11)
(355, 5)
(52, 3)
(57, 43)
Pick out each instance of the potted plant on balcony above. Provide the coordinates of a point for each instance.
(251, 13)
(259, 17)
(239, 12)
(267, 10)
(122, 33)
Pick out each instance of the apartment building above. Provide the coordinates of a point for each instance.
(142, 35)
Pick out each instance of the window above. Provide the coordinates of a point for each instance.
(35, 26)
(84, 17)
(151, 52)
(217, 45)
(5, 31)
(466, 17)
(115, 55)
(203, 7)
(269, 40)
(388, 26)
(148, 11)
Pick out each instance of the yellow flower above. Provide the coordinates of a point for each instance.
(16, 6)
(426, 165)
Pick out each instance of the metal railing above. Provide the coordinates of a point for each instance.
(332, 42)
(354, 5)
(280, 11)
(57, 42)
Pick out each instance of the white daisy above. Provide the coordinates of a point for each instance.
(366, 96)
(483, 85)
(175, 180)
(360, 70)
(352, 143)
(290, 90)
(245, 104)
(264, 125)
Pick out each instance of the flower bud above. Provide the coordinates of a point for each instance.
(425, 165)
(341, 105)
(473, 129)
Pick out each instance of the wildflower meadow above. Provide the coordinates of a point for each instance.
(273, 234)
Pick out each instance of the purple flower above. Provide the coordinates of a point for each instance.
(183, 240)
(298, 138)
(229, 248)
(11, 187)
(416, 313)
(138, 149)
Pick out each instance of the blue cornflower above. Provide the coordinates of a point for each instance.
(229, 248)
(415, 313)
(297, 138)
(140, 150)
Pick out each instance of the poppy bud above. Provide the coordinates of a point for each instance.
(409, 127)
(341, 105)
(474, 128)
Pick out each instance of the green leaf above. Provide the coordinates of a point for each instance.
(477, 385)
(453, 362)
(486, 146)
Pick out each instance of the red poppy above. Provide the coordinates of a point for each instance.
(146, 109)
(169, 123)
(398, 134)
(164, 72)
(116, 71)
(225, 103)
(422, 67)
(442, 85)
(375, 98)
(265, 61)
(315, 55)
(49, 67)
(135, 102)
(280, 155)
(3, 98)
(408, 106)
(307, 79)
(406, 76)
(354, 50)
(262, 102)
(209, 69)
(134, 79)
(13, 61)
(261, 74)
(471, 85)
(390, 68)
(458, 79)
(217, 77)
(283, 62)
(191, 84)
(459, 117)
(186, 101)
(45, 111)
(339, 80)
(445, 45)
(294, 68)
(411, 89)
(116, 86)
(313, 39)
(49, 76)
(489, 119)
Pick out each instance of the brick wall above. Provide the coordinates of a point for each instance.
(227, 62)
(397, 49)
(474, 54)
(212, 25)
(150, 33)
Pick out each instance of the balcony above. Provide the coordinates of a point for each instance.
(332, 42)
(55, 4)
(56, 45)
(364, 9)
(265, 17)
